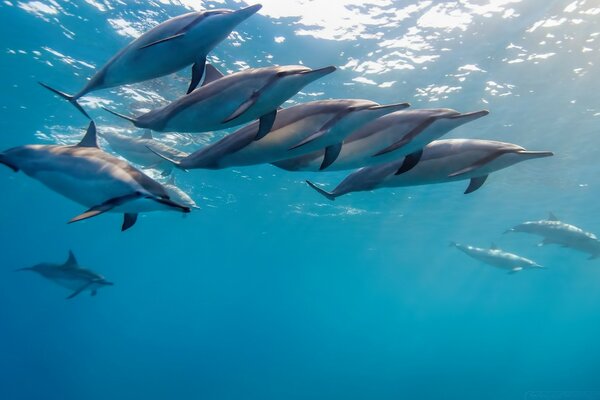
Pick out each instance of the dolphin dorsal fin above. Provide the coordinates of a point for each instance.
(552, 217)
(147, 134)
(71, 261)
(171, 180)
(211, 74)
(89, 140)
(493, 246)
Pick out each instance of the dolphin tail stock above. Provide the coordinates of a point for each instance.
(174, 163)
(323, 192)
(4, 160)
(71, 99)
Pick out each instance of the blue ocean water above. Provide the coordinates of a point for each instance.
(269, 291)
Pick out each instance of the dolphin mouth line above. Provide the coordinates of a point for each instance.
(475, 114)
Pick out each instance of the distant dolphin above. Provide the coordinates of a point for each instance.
(93, 178)
(71, 276)
(498, 258)
(556, 232)
(167, 48)
(225, 101)
(178, 195)
(386, 139)
(442, 161)
(136, 150)
(297, 130)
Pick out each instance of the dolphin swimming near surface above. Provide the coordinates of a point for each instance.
(178, 195)
(137, 150)
(498, 258)
(169, 47)
(566, 235)
(386, 139)
(93, 178)
(296, 130)
(225, 101)
(71, 276)
(442, 161)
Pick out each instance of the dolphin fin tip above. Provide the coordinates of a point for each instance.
(323, 192)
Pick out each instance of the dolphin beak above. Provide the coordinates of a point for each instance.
(535, 154)
(471, 116)
(321, 72)
(247, 12)
(391, 107)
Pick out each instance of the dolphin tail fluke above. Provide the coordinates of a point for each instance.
(325, 193)
(4, 161)
(71, 99)
(125, 117)
(174, 163)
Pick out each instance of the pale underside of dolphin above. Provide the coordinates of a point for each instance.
(137, 150)
(386, 139)
(93, 178)
(71, 276)
(167, 48)
(563, 234)
(442, 161)
(296, 130)
(226, 101)
(177, 194)
(498, 258)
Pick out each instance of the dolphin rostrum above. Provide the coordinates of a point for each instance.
(442, 161)
(386, 139)
(137, 150)
(71, 276)
(498, 258)
(566, 235)
(169, 47)
(225, 101)
(93, 178)
(297, 130)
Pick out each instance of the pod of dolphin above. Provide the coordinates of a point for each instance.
(388, 144)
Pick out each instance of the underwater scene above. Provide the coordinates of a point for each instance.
(300, 199)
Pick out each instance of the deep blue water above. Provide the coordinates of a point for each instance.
(271, 292)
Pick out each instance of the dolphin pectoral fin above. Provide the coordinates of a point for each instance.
(128, 221)
(476, 183)
(167, 39)
(243, 107)
(94, 293)
(89, 140)
(325, 193)
(265, 125)
(211, 74)
(410, 161)
(81, 289)
(331, 154)
(68, 97)
(479, 163)
(197, 72)
(515, 270)
(413, 133)
(172, 162)
(92, 212)
(318, 134)
(106, 206)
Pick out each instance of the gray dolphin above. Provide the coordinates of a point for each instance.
(169, 47)
(442, 161)
(296, 130)
(93, 178)
(557, 232)
(137, 150)
(71, 276)
(386, 139)
(498, 258)
(178, 195)
(225, 101)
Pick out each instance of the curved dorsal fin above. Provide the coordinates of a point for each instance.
(89, 140)
(552, 217)
(211, 74)
(71, 261)
(171, 180)
(147, 134)
(493, 246)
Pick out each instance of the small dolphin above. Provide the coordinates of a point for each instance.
(386, 139)
(169, 47)
(178, 195)
(71, 276)
(296, 130)
(137, 150)
(442, 161)
(225, 101)
(498, 258)
(93, 178)
(556, 232)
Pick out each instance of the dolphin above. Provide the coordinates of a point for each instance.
(386, 139)
(178, 195)
(498, 258)
(442, 161)
(71, 276)
(169, 47)
(296, 130)
(93, 178)
(136, 150)
(557, 232)
(225, 101)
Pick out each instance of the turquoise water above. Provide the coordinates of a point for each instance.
(269, 291)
